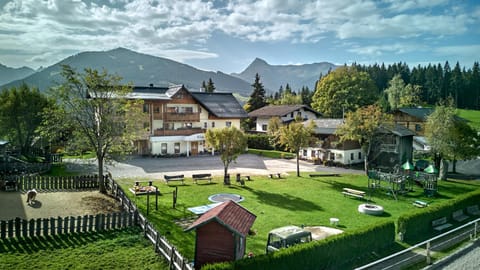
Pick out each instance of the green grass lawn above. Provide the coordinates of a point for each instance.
(471, 115)
(121, 249)
(280, 202)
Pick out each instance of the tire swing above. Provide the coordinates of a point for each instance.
(370, 209)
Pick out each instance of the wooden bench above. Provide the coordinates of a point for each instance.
(169, 178)
(324, 174)
(241, 179)
(420, 204)
(441, 224)
(473, 210)
(202, 176)
(459, 216)
(273, 175)
(353, 193)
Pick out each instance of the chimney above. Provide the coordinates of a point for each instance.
(151, 85)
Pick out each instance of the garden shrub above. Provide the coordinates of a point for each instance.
(417, 225)
(336, 252)
(259, 141)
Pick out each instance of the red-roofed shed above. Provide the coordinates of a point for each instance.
(221, 233)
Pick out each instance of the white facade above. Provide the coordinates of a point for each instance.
(262, 122)
(346, 157)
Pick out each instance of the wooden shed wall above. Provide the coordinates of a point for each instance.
(214, 243)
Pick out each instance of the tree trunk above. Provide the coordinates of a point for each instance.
(101, 182)
(443, 170)
(454, 166)
(226, 177)
(298, 166)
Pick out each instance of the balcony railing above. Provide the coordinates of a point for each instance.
(177, 132)
(169, 116)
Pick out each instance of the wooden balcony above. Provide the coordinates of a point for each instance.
(178, 132)
(185, 117)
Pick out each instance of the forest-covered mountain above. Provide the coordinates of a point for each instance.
(275, 76)
(139, 69)
(436, 81)
(8, 74)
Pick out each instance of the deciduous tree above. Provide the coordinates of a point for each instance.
(362, 126)
(94, 105)
(21, 114)
(295, 136)
(345, 88)
(230, 142)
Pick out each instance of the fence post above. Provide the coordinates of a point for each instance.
(429, 259)
(31, 227)
(475, 230)
(17, 227)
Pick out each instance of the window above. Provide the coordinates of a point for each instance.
(304, 153)
(359, 155)
(187, 110)
(352, 156)
(176, 148)
(156, 109)
(164, 149)
(418, 127)
(146, 108)
(291, 114)
(213, 124)
(228, 124)
(264, 127)
(205, 125)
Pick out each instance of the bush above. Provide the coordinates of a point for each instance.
(336, 252)
(417, 225)
(259, 141)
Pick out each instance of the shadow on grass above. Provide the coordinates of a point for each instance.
(284, 200)
(72, 240)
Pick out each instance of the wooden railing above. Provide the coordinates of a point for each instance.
(56, 183)
(177, 132)
(172, 116)
(161, 244)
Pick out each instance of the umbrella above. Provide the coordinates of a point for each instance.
(430, 169)
(407, 166)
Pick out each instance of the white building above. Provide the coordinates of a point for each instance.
(286, 113)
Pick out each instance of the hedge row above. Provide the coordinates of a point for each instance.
(417, 225)
(341, 251)
(259, 141)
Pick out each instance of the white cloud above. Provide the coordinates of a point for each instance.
(172, 27)
(394, 48)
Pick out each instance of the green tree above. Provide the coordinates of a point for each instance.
(296, 136)
(362, 126)
(95, 107)
(450, 138)
(257, 99)
(344, 89)
(410, 96)
(21, 114)
(394, 91)
(230, 142)
(210, 88)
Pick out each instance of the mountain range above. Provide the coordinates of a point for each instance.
(142, 69)
(8, 74)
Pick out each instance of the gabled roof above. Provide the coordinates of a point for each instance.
(325, 125)
(398, 130)
(231, 215)
(279, 110)
(172, 90)
(420, 113)
(222, 105)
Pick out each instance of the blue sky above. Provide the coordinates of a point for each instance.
(228, 35)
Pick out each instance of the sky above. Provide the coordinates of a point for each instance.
(228, 35)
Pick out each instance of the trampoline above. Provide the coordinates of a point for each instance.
(223, 197)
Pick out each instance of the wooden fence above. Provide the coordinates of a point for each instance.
(55, 226)
(161, 244)
(56, 183)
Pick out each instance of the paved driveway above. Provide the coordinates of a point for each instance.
(156, 168)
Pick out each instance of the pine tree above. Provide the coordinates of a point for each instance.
(210, 86)
(257, 99)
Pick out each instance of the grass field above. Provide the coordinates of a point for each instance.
(289, 201)
(121, 249)
(471, 115)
